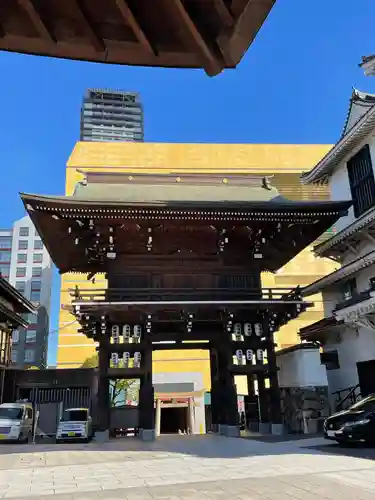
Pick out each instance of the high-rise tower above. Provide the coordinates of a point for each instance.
(111, 115)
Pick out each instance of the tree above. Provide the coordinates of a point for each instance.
(120, 389)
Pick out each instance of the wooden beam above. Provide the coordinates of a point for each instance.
(224, 13)
(36, 20)
(95, 40)
(212, 65)
(131, 20)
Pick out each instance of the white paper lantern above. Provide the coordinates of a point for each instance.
(248, 331)
(238, 337)
(115, 333)
(249, 355)
(237, 329)
(137, 359)
(239, 356)
(260, 355)
(126, 331)
(114, 358)
(126, 359)
(137, 330)
(258, 329)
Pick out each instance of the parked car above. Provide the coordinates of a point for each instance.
(354, 425)
(75, 425)
(16, 422)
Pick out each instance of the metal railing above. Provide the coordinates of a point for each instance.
(193, 294)
(347, 397)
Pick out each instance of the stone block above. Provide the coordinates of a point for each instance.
(277, 429)
(264, 428)
(147, 435)
(232, 431)
(101, 436)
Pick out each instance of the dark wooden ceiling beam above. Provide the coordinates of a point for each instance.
(210, 61)
(36, 20)
(224, 12)
(95, 40)
(131, 20)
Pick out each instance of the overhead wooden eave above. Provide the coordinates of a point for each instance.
(208, 34)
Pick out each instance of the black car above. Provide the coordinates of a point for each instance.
(354, 425)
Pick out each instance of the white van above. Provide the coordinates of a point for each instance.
(75, 424)
(16, 422)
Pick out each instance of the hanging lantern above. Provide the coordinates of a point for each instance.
(137, 330)
(114, 358)
(126, 331)
(115, 333)
(137, 359)
(237, 329)
(258, 329)
(248, 331)
(260, 355)
(239, 356)
(126, 359)
(249, 355)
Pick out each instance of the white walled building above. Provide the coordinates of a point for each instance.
(347, 333)
(25, 263)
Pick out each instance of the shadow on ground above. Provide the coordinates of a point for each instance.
(204, 446)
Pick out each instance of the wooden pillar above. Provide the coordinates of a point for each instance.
(103, 385)
(157, 417)
(146, 396)
(215, 391)
(274, 391)
(229, 417)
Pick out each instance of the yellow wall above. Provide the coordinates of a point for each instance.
(285, 162)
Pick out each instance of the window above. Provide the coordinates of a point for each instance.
(362, 182)
(20, 272)
(36, 285)
(15, 336)
(5, 242)
(35, 296)
(4, 271)
(29, 355)
(5, 256)
(21, 286)
(330, 359)
(21, 258)
(38, 258)
(30, 336)
(348, 289)
(14, 356)
(24, 232)
(37, 272)
(23, 245)
(38, 245)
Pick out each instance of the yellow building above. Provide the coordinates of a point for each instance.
(284, 162)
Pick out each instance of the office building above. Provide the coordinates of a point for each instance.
(111, 115)
(25, 263)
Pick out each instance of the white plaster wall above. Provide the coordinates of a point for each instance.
(301, 368)
(355, 346)
(339, 180)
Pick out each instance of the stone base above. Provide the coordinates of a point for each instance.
(264, 428)
(101, 436)
(233, 431)
(253, 426)
(147, 434)
(277, 429)
(222, 429)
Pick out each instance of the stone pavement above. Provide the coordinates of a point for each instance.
(185, 467)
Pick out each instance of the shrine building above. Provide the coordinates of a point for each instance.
(182, 256)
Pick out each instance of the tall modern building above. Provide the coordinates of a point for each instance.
(111, 115)
(25, 263)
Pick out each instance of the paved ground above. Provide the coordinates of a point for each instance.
(187, 467)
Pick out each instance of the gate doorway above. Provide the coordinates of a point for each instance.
(174, 420)
(366, 377)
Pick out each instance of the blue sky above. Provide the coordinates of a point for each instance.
(292, 86)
